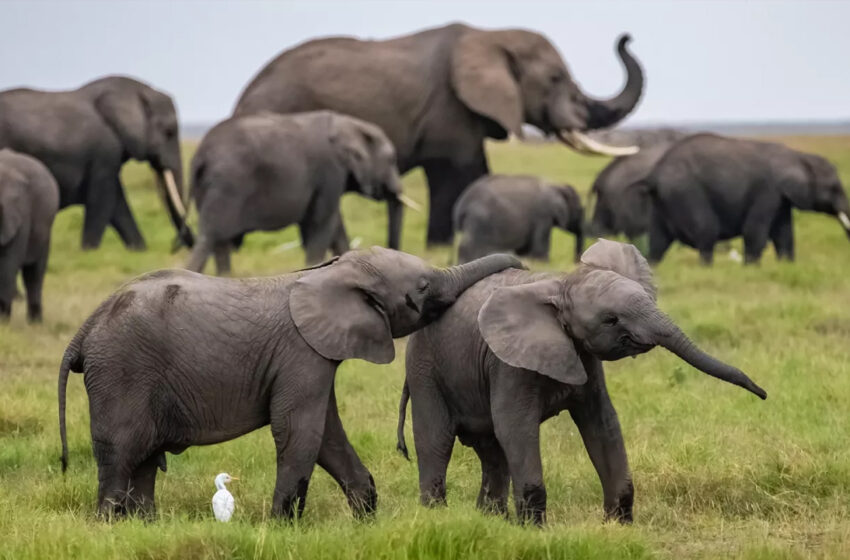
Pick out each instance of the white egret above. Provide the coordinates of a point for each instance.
(223, 502)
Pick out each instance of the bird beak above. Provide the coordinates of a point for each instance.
(234, 478)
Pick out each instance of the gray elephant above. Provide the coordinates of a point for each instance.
(439, 93)
(623, 203)
(709, 188)
(518, 348)
(267, 171)
(84, 136)
(175, 359)
(29, 200)
(504, 213)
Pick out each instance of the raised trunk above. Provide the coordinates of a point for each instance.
(672, 338)
(458, 278)
(605, 113)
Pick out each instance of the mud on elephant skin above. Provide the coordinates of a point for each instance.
(439, 93)
(267, 171)
(29, 200)
(518, 348)
(710, 188)
(175, 359)
(85, 135)
(516, 213)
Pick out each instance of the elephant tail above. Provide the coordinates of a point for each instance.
(401, 446)
(72, 360)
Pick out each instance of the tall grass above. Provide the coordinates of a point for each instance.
(718, 473)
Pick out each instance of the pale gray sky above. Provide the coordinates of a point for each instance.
(704, 60)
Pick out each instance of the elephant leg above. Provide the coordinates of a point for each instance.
(433, 437)
(33, 275)
(446, 182)
(339, 459)
(495, 477)
(317, 234)
(200, 253)
(660, 239)
(340, 244)
(140, 500)
(8, 285)
(597, 422)
(222, 258)
(706, 254)
(101, 199)
(782, 233)
(116, 465)
(756, 229)
(298, 429)
(541, 238)
(125, 224)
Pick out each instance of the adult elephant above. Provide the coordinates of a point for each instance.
(710, 188)
(439, 93)
(84, 136)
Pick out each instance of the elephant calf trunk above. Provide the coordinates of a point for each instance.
(459, 278)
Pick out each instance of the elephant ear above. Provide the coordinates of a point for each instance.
(355, 147)
(126, 113)
(799, 185)
(481, 77)
(622, 258)
(520, 325)
(336, 316)
(11, 218)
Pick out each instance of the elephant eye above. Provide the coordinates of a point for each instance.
(611, 320)
(170, 133)
(556, 78)
(423, 285)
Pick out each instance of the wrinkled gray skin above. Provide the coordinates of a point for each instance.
(29, 200)
(518, 348)
(438, 94)
(84, 136)
(708, 188)
(515, 213)
(267, 171)
(622, 203)
(175, 359)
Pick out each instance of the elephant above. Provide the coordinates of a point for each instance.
(503, 213)
(439, 93)
(84, 136)
(709, 188)
(175, 359)
(622, 202)
(267, 171)
(29, 200)
(518, 348)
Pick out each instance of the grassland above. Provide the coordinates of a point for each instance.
(718, 473)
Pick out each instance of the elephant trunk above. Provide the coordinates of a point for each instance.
(456, 279)
(395, 213)
(673, 339)
(607, 112)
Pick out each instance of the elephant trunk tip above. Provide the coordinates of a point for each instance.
(624, 40)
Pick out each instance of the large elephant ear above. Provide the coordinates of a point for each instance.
(11, 218)
(520, 325)
(482, 79)
(126, 113)
(622, 258)
(355, 146)
(336, 316)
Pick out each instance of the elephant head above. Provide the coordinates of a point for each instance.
(354, 306)
(567, 212)
(816, 186)
(514, 76)
(145, 122)
(607, 308)
(369, 156)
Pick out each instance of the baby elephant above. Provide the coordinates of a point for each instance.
(518, 348)
(29, 200)
(503, 213)
(268, 171)
(175, 359)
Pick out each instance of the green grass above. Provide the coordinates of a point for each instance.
(718, 473)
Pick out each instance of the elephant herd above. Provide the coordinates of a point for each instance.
(175, 358)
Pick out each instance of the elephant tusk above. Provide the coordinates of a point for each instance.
(845, 221)
(173, 194)
(409, 202)
(585, 144)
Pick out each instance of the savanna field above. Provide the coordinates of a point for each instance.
(718, 473)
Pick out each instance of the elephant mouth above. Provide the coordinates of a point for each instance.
(584, 144)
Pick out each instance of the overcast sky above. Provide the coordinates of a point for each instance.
(704, 61)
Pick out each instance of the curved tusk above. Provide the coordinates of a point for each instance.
(585, 144)
(845, 220)
(409, 202)
(173, 194)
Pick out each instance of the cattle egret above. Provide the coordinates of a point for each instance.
(223, 502)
